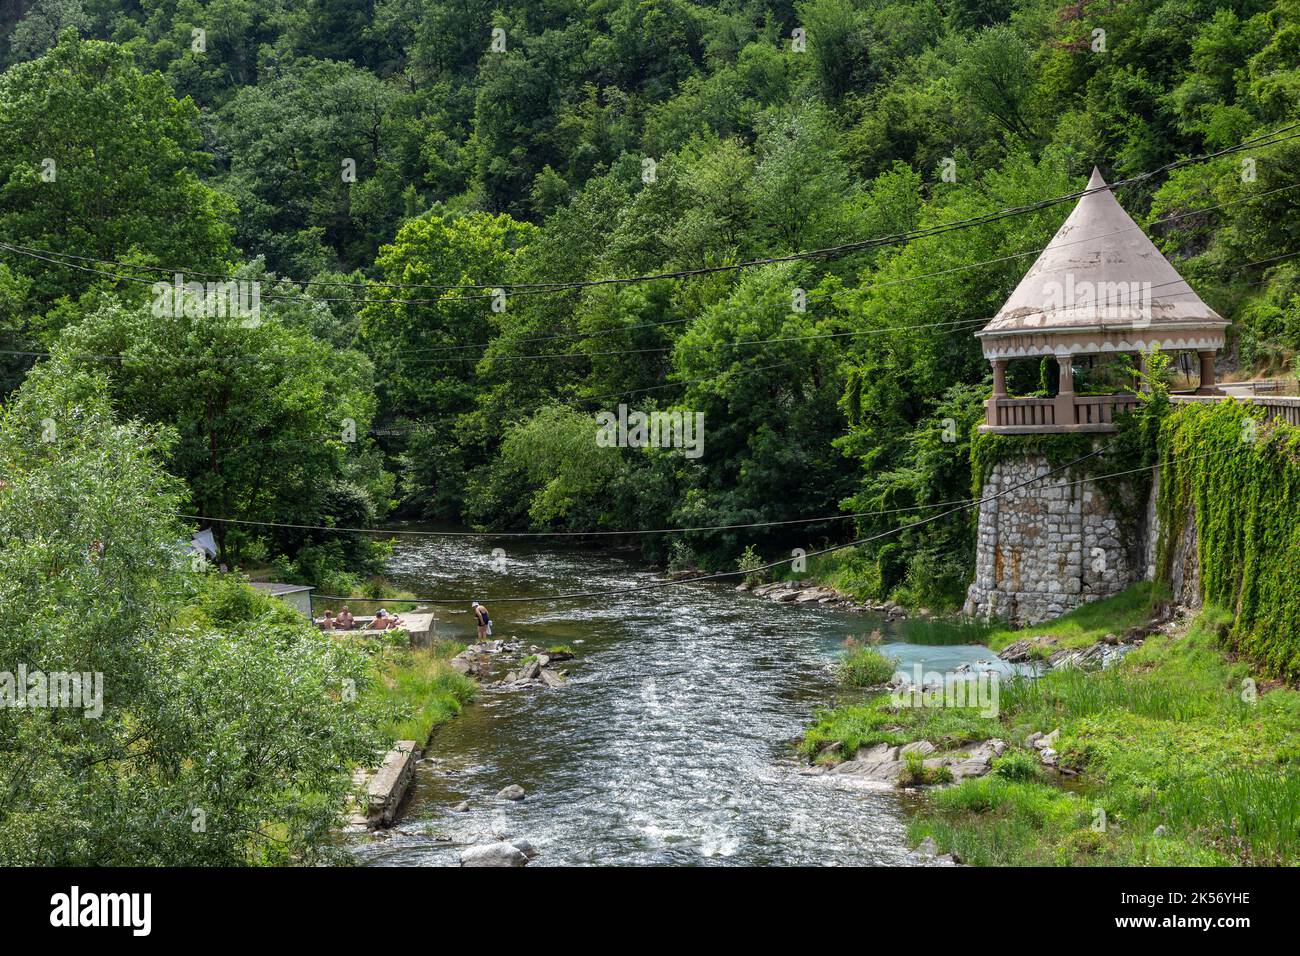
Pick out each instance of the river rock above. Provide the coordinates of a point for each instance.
(525, 847)
(552, 679)
(530, 671)
(927, 847)
(462, 807)
(493, 854)
(512, 792)
(1024, 650)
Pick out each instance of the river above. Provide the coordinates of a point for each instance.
(669, 745)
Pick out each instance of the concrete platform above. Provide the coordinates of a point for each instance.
(386, 787)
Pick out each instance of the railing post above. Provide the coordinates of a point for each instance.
(1207, 386)
(1065, 392)
(999, 391)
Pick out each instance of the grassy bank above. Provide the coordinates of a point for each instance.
(1181, 764)
(1181, 759)
(417, 689)
(1085, 625)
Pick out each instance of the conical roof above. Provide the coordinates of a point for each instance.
(1100, 276)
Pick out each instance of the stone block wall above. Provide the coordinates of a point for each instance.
(1049, 546)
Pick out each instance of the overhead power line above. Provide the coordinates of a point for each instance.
(719, 575)
(1264, 140)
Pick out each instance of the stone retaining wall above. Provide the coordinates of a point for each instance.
(1050, 546)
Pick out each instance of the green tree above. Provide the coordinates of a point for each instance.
(210, 740)
(99, 159)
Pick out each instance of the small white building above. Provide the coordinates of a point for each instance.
(299, 595)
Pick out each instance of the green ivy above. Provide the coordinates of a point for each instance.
(1239, 474)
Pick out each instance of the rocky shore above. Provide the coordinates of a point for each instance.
(808, 592)
(536, 669)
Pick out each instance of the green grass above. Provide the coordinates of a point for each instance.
(916, 773)
(848, 570)
(1169, 738)
(561, 649)
(865, 666)
(419, 690)
(854, 726)
(1088, 624)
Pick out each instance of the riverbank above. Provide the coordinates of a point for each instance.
(1174, 755)
(417, 689)
(412, 691)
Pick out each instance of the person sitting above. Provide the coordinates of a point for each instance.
(345, 622)
(384, 620)
(328, 624)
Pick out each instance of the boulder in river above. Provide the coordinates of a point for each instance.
(493, 854)
(525, 847)
(552, 679)
(512, 792)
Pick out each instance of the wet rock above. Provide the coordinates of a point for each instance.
(493, 854)
(462, 807)
(1048, 757)
(552, 679)
(512, 792)
(525, 847)
(530, 671)
(1024, 650)
(927, 847)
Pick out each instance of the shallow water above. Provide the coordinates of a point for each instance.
(671, 742)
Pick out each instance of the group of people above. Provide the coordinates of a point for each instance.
(383, 621)
(345, 622)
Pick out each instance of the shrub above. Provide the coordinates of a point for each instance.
(865, 666)
(1016, 765)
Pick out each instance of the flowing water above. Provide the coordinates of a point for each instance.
(670, 744)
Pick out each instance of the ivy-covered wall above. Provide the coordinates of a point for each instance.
(1237, 475)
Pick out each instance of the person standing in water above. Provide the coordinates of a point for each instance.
(482, 620)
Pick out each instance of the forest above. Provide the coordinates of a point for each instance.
(474, 226)
(291, 268)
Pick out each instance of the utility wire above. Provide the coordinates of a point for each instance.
(717, 575)
(1272, 138)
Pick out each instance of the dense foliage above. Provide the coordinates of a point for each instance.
(1230, 469)
(222, 725)
(422, 172)
(439, 204)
